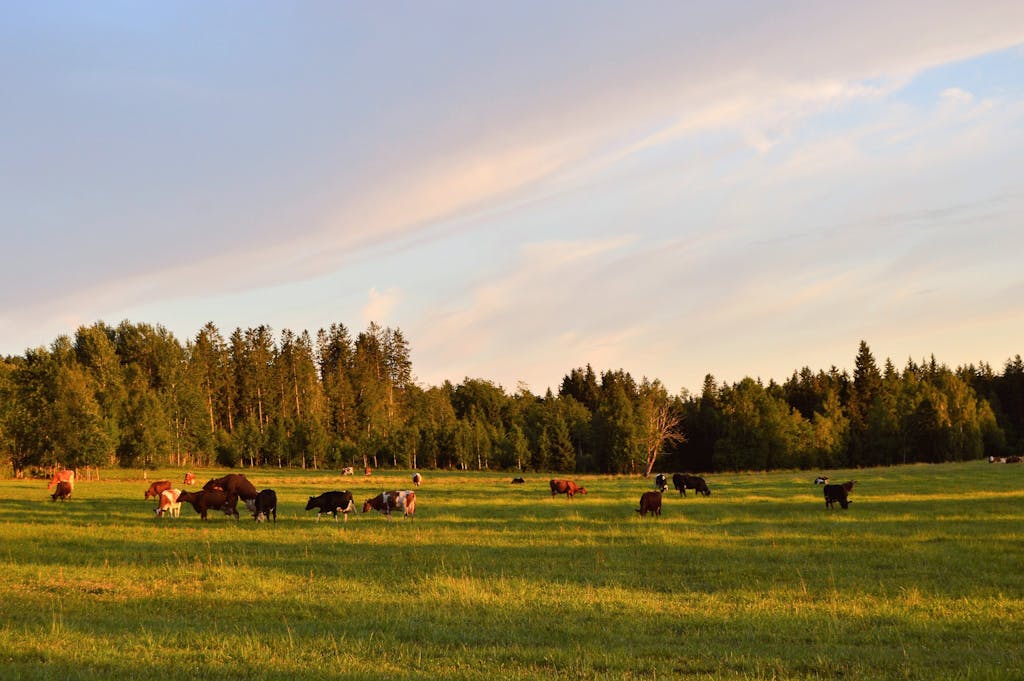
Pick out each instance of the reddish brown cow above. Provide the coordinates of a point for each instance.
(207, 499)
(156, 488)
(66, 475)
(566, 487)
(190, 478)
(650, 502)
(386, 502)
(235, 485)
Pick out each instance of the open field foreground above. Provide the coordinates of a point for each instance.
(920, 579)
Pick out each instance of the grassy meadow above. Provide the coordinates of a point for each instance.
(922, 578)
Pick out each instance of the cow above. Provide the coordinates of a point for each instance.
(169, 503)
(369, 471)
(399, 500)
(660, 482)
(263, 506)
(348, 470)
(332, 502)
(190, 478)
(566, 487)
(417, 479)
(65, 475)
(235, 485)
(821, 480)
(62, 491)
(207, 499)
(834, 493)
(681, 482)
(650, 502)
(518, 481)
(157, 488)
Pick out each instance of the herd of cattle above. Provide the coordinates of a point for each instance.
(223, 494)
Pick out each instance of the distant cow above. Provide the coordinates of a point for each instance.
(683, 482)
(156, 488)
(348, 470)
(417, 479)
(566, 487)
(169, 503)
(263, 506)
(399, 500)
(66, 475)
(235, 485)
(190, 478)
(62, 491)
(834, 493)
(660, 482)
(518, 481)
(207, 499)
(369, 471)
(333, 503)
(821, 480)
(650, 502)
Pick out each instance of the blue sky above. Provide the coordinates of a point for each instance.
(669, 188)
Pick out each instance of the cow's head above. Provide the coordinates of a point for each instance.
(367, 505)
(581, 490)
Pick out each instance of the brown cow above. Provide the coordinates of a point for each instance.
(63, 491)
(566, 487)
(650, 502)
(386, 502)
(190, 478)
(235, 485)
(156, 488)
(207, 499)
(66, 475)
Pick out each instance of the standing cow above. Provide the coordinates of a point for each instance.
(157, 488)
(650, 502)
(211, 499)
(398, 500)
(681, 482)
(169, 503)
(834, 493)
(417, 479)
(65, 475)
(660, 482)
(332, 502)
(263, 506)
(566, 487)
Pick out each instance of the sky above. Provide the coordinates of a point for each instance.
(670, 188)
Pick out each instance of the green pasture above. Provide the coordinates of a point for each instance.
(920, 579)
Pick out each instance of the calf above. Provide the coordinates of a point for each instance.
(332, 502)
(62, 491)
(834, 493)
(566, 487)
(263, 506)
(157, 488)
(660, 482)
(169, 503)
(681, 482)
(650, 502)
(206, 499)
(386, 502)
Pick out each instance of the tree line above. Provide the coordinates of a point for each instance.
(134, 396)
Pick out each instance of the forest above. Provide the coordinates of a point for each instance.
(134, 396)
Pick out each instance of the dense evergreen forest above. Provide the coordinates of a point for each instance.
(134, 396)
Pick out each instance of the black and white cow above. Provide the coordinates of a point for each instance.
(333, 503)
(263, 506)
(660, 482)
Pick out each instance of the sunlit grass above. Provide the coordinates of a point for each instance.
(920, 578)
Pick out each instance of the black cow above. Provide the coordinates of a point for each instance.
(681, 482)
(834, 493)
(265, 504)
(660, 482)
(332, 502)
(650, 502)
(518, 481)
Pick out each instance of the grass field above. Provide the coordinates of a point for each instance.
(922, 578)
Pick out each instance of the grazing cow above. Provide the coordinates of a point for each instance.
(566, 487)
(650, 502)
(386, 502)
(263, 506)
(417, 479)
(1014, 459)
(235, 485)
(156, 488)
(518, 481)
(369, 471)
(821, 480)
(190, 478)
(207, 499)
(348, 470)
(66, 475)
(834, 493)
(681, 482)
(169, 503)
(332, 502)
(660, 482)
(62, 491)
